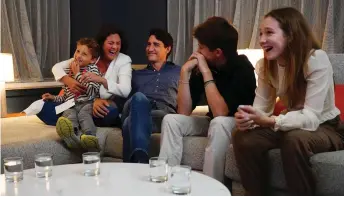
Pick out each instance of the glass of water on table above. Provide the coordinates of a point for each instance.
(44, 165)
(179, 180)
(13, 168)
(158, 171)
(91, 162)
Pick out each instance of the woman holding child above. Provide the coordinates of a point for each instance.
(295, 69)
(115, 80)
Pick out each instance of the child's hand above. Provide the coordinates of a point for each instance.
(74, 67)
(47, 97)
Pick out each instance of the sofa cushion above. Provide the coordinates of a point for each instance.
(113, 143)
(337, 61)
(113, 146)
(28, 150)
(329, 170)
(231, 169)
(193, 151)
(24, 129)
(26, 136)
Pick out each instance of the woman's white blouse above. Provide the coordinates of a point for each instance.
(118, 76)
(319, 105)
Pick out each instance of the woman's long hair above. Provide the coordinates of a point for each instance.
(300, 43)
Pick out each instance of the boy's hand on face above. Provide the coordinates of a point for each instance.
(47, 97)
(202, 63)
(190, 64)
(74, 67)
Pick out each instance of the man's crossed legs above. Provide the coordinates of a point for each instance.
(176, 126)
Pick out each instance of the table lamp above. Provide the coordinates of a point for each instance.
(253, 55)
(6, 75)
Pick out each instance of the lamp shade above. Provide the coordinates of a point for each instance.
(6, 68)
(253, 55)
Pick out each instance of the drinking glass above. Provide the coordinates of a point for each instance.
(179, 180)
(91, 162)
(44, 165)
(158, 169)
(13, 168)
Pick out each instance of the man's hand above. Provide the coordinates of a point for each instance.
(202, 63)
(47, 97)
(100, 108)
(74, 67)
(189, 65)
(91, 77)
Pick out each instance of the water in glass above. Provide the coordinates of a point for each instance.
(179, 182)
(13, 168)
(43, 165)
(91, 164)
(158, 169)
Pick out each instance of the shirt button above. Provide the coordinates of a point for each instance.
(157, 79)
(158, 73)
(157, 86)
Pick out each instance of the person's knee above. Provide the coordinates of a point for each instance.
(223, 121)
(221, 126)
(168, 121)
(171, 118)
(139, 97)
(294, 141)
(242, 140)
(69, 114)
(85, 110)
(113, 112)
(48, 113)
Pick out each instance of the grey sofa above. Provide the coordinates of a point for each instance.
(25, 136)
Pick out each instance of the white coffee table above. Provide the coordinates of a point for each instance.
(114, 179)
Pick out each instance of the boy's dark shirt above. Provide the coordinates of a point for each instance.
(235, 81)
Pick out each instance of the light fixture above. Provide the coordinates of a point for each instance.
(6, 75)
(253, 55)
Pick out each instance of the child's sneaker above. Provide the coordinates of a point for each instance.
(65, 130)
(89, 142)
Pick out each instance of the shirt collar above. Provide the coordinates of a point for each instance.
(166, 65)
